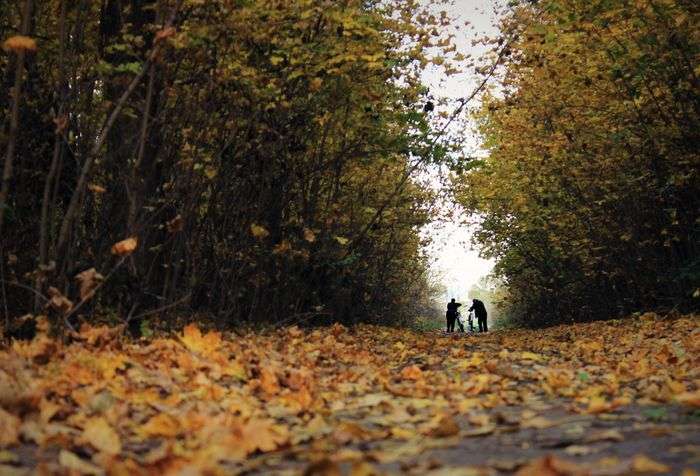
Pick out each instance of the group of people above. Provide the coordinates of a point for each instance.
(479, 310)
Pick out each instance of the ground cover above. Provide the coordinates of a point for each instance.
(615, 397)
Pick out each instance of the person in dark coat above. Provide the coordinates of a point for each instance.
(451, 314)
(480, 313)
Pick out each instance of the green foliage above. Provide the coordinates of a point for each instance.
(588, 199)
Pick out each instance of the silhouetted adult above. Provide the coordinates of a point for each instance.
(451, 314)
(480, 313)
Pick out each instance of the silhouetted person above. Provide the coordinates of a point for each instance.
(451, 314)
(480, 313)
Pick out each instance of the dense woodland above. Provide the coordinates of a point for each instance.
(261, 153)
(256, 161)
(589, 197)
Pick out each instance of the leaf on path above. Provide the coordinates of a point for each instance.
(161, 425)
(9, 435)
(100, 434)
(538, 422)
(8, 457)
(599, 405)
(446, 426)
(350, 432)
(325, 467)
(363, 468)
(7, 470)
(551, 465)
(643, 464)
(18, 388)
(412, 372)
(578, 450)
(73, 462)
(605, 435)
(263, 435)
(205, 344)
(689, 398)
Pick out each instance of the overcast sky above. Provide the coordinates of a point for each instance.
(460, 265)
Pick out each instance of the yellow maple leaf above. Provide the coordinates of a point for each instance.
(262, 435)
(198, 342)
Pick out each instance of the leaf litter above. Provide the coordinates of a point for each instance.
(363, 400)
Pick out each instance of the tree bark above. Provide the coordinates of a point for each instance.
(14, 115)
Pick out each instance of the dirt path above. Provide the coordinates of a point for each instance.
(612, 398)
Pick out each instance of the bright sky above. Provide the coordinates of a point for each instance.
(454, 259)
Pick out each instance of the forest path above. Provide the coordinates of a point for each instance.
(615, 397)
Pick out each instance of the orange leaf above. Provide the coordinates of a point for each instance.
(690, 398)
(198, 342)
(100, 434)
(161, 425)
(10, 428)
(412, 372)
(19, 43)
(643, 464)
(125, 247)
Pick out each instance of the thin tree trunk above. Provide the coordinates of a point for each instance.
(72, 211)
(55, 159)
(14, 116)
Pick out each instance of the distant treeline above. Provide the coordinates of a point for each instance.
(260, 152)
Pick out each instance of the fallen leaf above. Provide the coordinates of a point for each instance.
(73, 462)
(324, 467)
(605, 435)
(551, 465)
(689, 398)
(100, 434)
(412, 372)
(447, 426)
(161, 425)
(645, 465)
(10, 429)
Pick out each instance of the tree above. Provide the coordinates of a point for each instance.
(588, 199)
